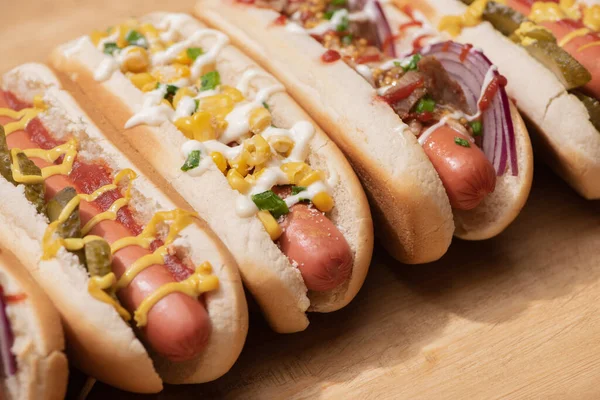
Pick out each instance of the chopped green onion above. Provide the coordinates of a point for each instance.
(424, 105)
(171, 90)
(461, 142)
(194, 52)
(265, 105)
(411, 64)
(193, 160)
(110, 48)
(347, 40)
(298, 189)
(343, 26)
(210, 80)
(477, 127)
(135, 38)
(271, 202)
(338, 3)
(197, 104)
(328, 14)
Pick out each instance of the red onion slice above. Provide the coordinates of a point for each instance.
(9, 363)
(469, 70)
(378, 23)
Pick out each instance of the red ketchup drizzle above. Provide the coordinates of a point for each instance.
(368, 58)
(424, 116)
(246, 1)
(490, 91)
(417, 42)
(410, 24)
(14, 298)
(465, 52)
(281, 20)
(402, 93)
(446, 46)
(388, 43)
(330, 56)
(87, 177)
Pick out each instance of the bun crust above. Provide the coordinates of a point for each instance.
(98, 337)
(41, 363)
(570, 142)
(277, 285)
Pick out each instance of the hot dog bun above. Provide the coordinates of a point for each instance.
(410, 202)
(100, 342)
(38, 337)
(570, 142)
(275, 283)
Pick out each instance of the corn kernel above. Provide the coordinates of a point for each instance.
(218, 105)
(258, 150)
(150, 86)
(182, 58)
(166, 103)
(219, 160)
(186, 126)
(270, 223)
(181, 93)
(240, 163)
(136, 60)
(281, 144)
(236, 181)
(149, 31)
(155, 47)
(181, 71)
(323, 201)
(142, 79)
(260, 119)
(311, 178)
(38, 102)
(97, 36)
(233, 93)
(295, 171)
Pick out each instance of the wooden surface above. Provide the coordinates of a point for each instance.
(516, 317)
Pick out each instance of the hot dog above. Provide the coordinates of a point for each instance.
(146, 262)
(548, 51)
(231, 138)
(385, 92)
(37, 371)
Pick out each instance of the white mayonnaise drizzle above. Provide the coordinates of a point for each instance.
(185, 107)
(425, 135)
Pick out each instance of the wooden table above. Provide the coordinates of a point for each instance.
(516, 317)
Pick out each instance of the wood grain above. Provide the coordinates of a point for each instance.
(516, 317)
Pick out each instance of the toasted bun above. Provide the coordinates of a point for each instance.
(42, 369)
(411, 209)
(501, 207)
(564, 131)
(100, 342)
(277, 285)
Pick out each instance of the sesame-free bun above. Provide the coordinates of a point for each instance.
(100, 343)
(276, 284)
(38, 337)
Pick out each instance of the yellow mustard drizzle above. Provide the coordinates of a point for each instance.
(97, 287)
(111, 213)
(23, 116)
(51, 244)
(180, 219)
(572, 35)
(201, 281)
(69, 150)
(587, 46)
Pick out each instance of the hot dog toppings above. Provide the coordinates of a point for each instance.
(230, 127)
(562, 35)
(424, 87)
(8, 367)
(108, 195)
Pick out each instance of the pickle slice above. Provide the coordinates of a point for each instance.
(71, 228)
(593, 107)
(5, 170)
(567, 69)
(503, 18)
(33, 191)
(98, 257)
